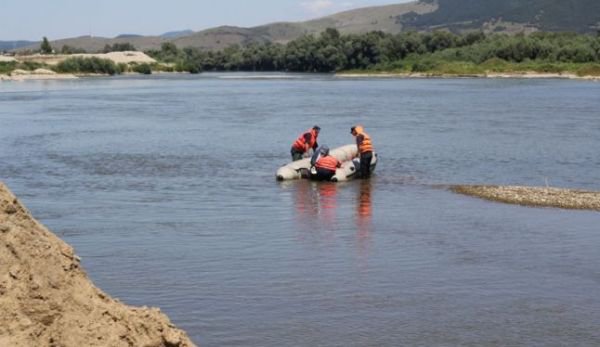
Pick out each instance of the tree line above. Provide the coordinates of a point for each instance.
(438, 51)
(330, 51)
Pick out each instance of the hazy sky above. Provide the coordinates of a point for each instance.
(56, 19)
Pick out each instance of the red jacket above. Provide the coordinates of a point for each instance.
(306, 141)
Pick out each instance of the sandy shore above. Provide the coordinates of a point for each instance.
(5, 59)
(530, 74)
(53, 59)
(37, 74)
(48, 300)
(116, 57)
(534, 196)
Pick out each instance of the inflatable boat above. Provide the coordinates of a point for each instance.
(347, 155)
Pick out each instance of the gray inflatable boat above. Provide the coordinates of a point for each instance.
(347, 155)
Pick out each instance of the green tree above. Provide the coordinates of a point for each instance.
(118, 47)
(45, 47)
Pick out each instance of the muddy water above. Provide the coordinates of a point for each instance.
(165, 187)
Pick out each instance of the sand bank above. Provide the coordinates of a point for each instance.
(37, 74)
(534, 196)
(5, 59)
(116, 57)
(48, 300)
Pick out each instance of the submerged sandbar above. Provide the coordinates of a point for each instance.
(534, 196)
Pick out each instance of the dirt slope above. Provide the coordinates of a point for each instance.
(48, 300)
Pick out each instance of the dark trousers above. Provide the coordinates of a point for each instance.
(296, 155)
(323, 175)
(365, 164)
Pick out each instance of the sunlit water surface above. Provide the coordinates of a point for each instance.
(165, 187)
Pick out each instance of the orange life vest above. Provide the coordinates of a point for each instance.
(328, 163)
(301, 145)
(365, 145)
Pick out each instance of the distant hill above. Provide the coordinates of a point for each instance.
(128, 36)
(94, 44)
(175, 34)
(424, 15)
(10, 45)
(361, 20)
(546, 15)
(355, 21)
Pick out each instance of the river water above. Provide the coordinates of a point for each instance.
(165, 186)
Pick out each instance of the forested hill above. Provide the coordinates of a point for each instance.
(506, 15)
(490, 16)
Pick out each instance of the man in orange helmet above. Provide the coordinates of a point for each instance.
(365, 150)
(305, 142)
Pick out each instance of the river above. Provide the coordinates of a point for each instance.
(165, 186)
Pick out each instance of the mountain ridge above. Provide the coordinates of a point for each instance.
(510, 16)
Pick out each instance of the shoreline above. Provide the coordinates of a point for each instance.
(36, 77)
(22, 75)
(494, 75)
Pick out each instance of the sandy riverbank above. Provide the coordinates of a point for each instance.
(53, 59)
(534, 196)
(37, 74)
(526, 75)
(48, 300)
(117, 57)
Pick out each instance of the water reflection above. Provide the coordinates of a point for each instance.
(364, 213)
(316, 202)
(327, 202)
(364, 209)
(320, 206)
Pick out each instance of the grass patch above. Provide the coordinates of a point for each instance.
(433, 65)
(6, 67)
(589, 70)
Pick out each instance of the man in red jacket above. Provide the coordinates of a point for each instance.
(305, 142)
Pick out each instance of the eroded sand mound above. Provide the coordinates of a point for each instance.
(6, 59)
(116, 57)
(46, 298)
(535, 196)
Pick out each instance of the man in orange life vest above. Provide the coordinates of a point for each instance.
(325, 165)
(365, 150)
(305, 142)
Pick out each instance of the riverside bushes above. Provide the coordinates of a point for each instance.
(9, 66)
(180, 60)
(144, 69)
(407, 51)
(88, 65)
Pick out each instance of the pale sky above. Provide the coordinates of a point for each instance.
(56, 19)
